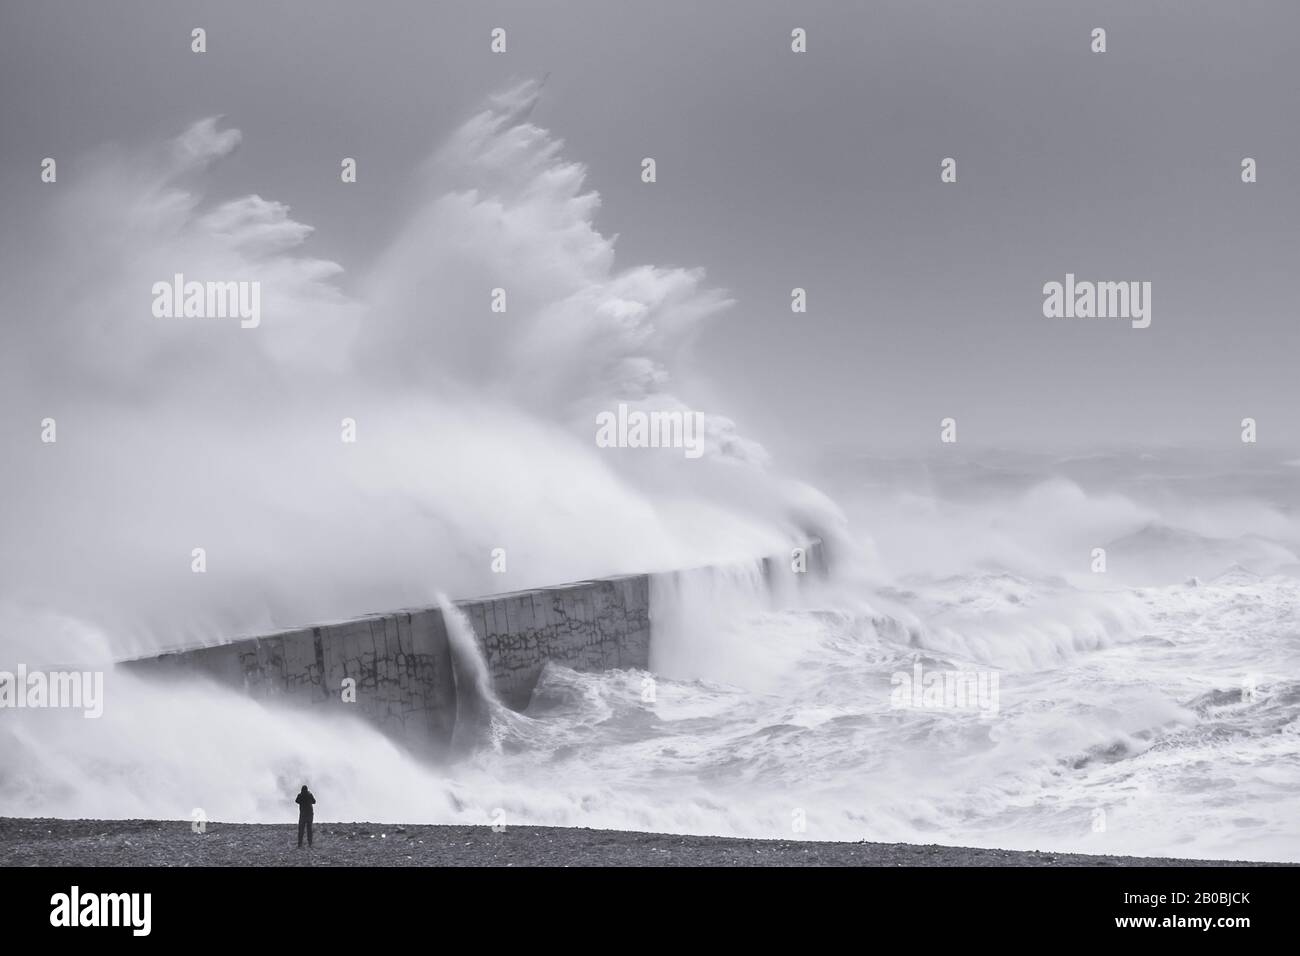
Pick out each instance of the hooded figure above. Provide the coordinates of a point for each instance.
(305, 801)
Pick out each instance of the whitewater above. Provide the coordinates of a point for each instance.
(1150, 708)
(1157, 719)
(1151, 719)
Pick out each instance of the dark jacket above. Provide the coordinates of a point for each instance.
(305, 801)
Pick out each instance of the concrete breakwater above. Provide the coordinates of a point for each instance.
(409, 678)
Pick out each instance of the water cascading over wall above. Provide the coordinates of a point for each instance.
(407, 671)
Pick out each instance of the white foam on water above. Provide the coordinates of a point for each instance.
(1119, 693)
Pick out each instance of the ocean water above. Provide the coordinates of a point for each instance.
(1147, 708)
(1125, 723)
(1159, 715)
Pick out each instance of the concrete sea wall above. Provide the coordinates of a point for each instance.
(407, 671)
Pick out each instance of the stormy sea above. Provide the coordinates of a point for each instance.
(1089, 651)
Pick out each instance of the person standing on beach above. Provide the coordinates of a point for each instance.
(305, 802)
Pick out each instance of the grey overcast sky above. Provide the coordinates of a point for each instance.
(778, 170)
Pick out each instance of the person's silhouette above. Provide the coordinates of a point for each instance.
(305, 801)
